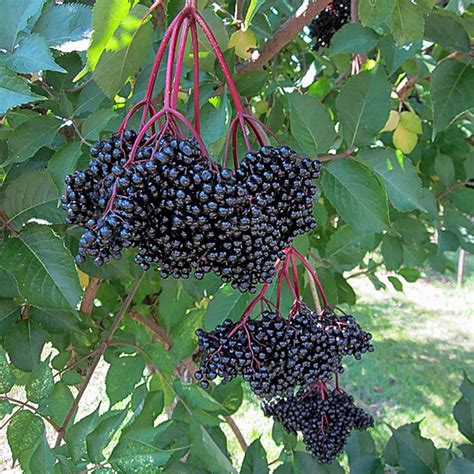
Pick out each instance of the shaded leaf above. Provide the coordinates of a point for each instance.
(375, 13)
(43, 459)
(353, 38)
(58, 403)
(123, 374)
(95, 123)
(392, 252)
(464, 409)
(407, 22)
(251, 83)
(23, 432)
(460, 466)
(226, 304)
(64, 162)
(447, 32)
(76, 435)
(43, 268)
(255, 460)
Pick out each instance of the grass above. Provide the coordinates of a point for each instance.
(424, 340)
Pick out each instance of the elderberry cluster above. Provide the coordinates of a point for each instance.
(276, 355)
(328, 22)
(325, 419)
(187, 214)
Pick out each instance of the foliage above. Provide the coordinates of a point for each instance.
(393, 197)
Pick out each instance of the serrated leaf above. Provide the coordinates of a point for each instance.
(32, 55)
(123, 374)
(76, 435)
(399, 176)
(452, 92)
(58, 403)
(226, 304)
(100, 438)
(374, 13)
(66, 27)
(55, 322)
(395, 55)
(24, 342)
(363, 106)
(106, 18)
(357, 195)
(14, 90)
(255, 460)
(95, 123)
(347, 247)
(43, 459)
(64, 162)
(15, 15)
(23, 432)
(30, 136)
(43, 268)
(32, 195)
(353, 38)
(407, 22)
(195, 397)
(136, 452)
(9, 312)
(310, 124)
(7, 379)
(229, 395)
(89, 99)
(251, 83)
(40, 382)
(464, 409)
(127, 54)
(447, 32)
(415, 453)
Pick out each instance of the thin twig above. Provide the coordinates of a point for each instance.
(314, 293)
(284, 34)
(87, 303)
(103, 346)
(452, 188)
(158, 333)
(238, 434)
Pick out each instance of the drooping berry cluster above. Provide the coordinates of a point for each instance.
(277, 355)
(187, 214)
(325, 419)
(328, 22)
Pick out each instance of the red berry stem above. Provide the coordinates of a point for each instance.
(195, 45)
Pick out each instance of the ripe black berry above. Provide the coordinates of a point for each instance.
(328, 22)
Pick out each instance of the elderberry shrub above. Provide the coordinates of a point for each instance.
(189, 215)
(325, 420)
(277, 355)
(328, 22)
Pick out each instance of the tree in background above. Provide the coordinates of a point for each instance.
(386, 108)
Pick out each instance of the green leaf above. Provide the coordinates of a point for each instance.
(152, 408)
(464, 409)
(123, 374)
(136, 451)
(310, 124)
(255, 460)
(407, 22)
(392, 252)
(32, 195)
(229, 395)
(96, 123)
(458, 6)
(410, 274)
(466, 449)
(10, 312)
(460, 466)
(23, 432)
(396, 283)
(43, 459)
(15, 15)
(452, 92)
(100, 438)
(57, 405)
(76, 435)
(66, 27)
(7, 379)
(30, 136)
(368, 464)
(24, 342)
(415, 453)
(357, 195)
(347, 247)
(55, 322)
(5, 408)
(251, 83)
(32, 55)
(374, 13)
(106, 18)
(214, 121)
(400, 177)
(123, 58)
(208, 451)
(447, 32)
(252, 11)
(195, 397)
(363, 106)
(40, 382)
(90, 98)
(353, 38)
(226, 304)
(64, 162)
(43, 268)
(394, 55)
(359, 444)
(14, 90)
(444, 168)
